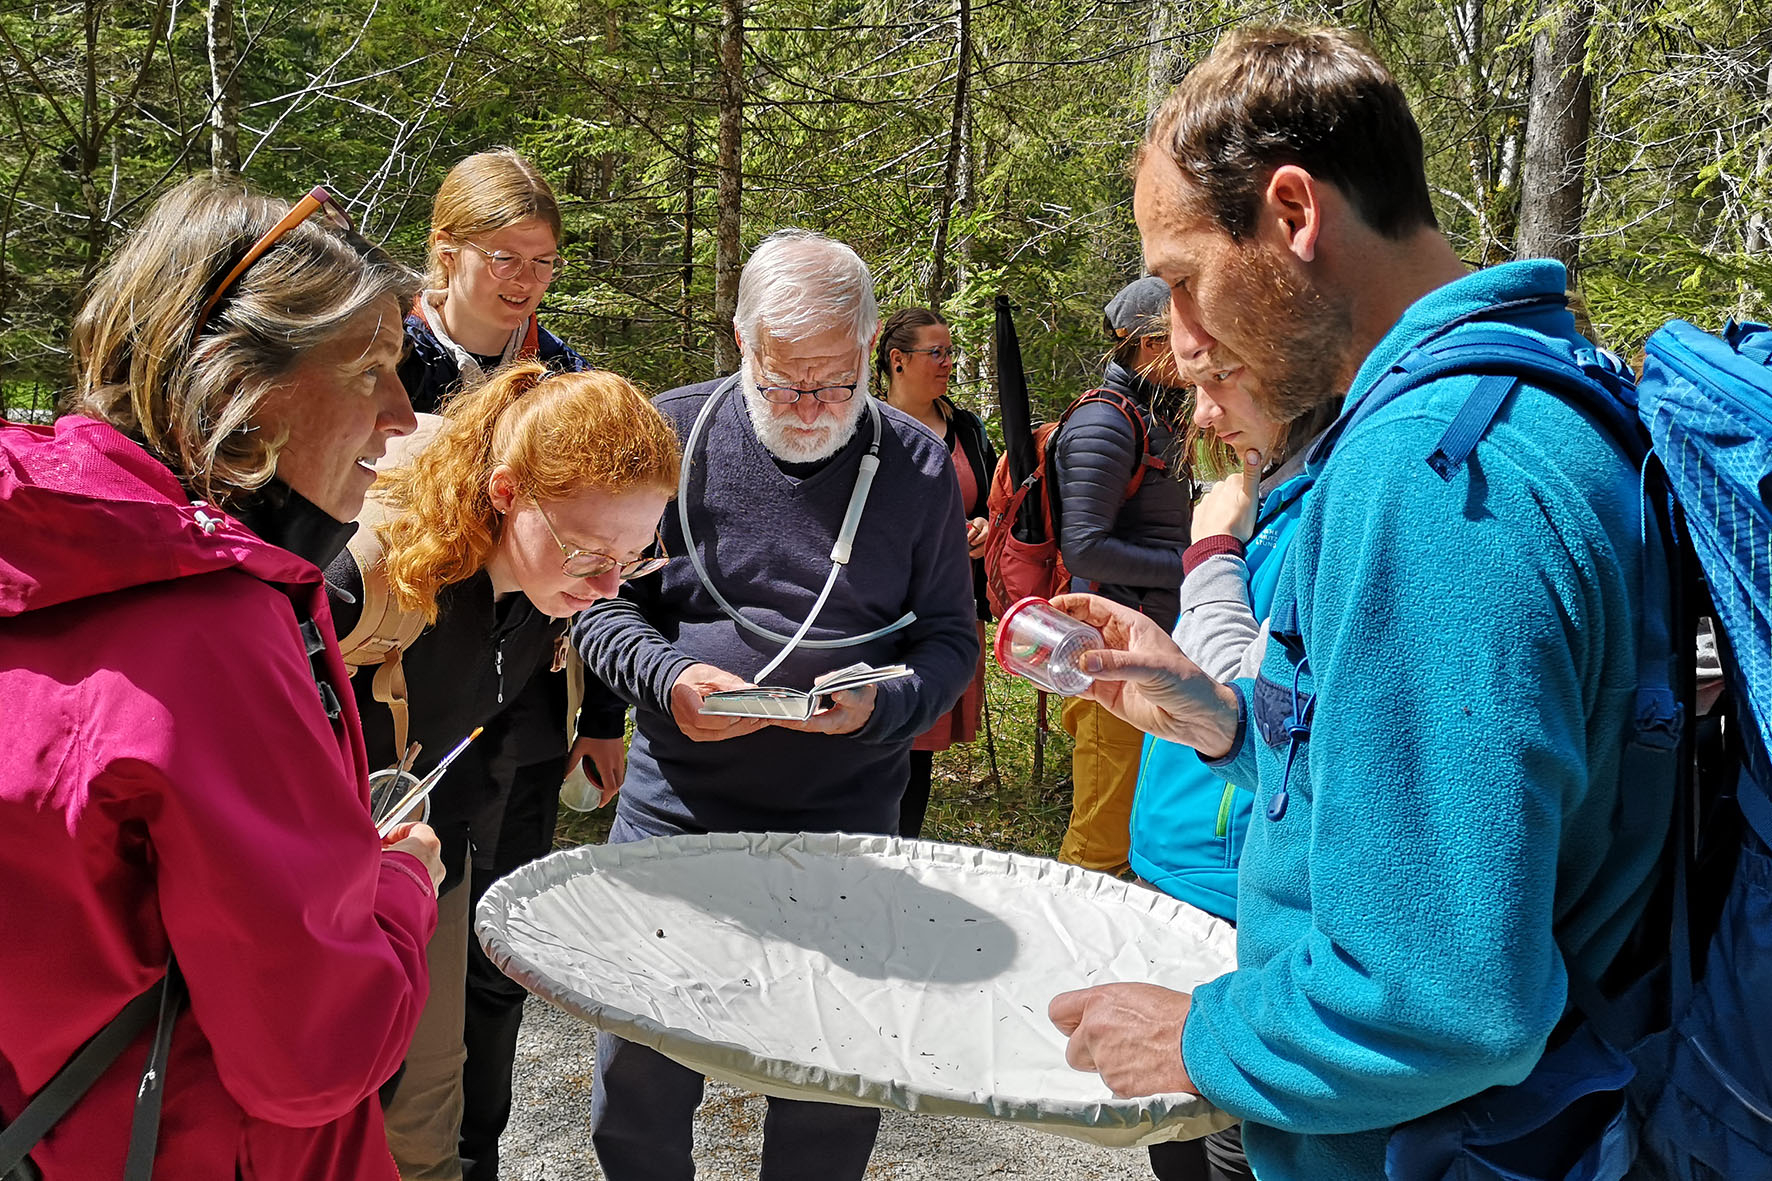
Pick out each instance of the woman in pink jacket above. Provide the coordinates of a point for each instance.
(183, 776)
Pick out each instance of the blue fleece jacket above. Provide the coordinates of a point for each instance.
(1455, 813)
(1188, 822)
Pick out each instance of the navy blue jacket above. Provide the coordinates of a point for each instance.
(430, 374)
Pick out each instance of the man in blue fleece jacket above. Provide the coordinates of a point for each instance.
(1452, 826)
(768, 477)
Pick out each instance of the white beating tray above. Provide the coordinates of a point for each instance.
(864, 970)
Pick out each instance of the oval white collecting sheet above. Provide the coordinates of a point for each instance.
(869, 970)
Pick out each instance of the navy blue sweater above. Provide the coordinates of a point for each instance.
(765, 536)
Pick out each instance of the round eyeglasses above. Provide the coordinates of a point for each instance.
(590, 563)
(939, 354)
(509, 266)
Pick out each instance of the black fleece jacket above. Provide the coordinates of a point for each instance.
(465, 671)
(1127, 550)
(976, 449)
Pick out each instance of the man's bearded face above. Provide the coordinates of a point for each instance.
(806, 430)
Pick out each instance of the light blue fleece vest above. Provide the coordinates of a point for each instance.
(1188, 823)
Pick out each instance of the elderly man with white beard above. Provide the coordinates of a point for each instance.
(773, 465)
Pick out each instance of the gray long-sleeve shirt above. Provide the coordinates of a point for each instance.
(765, 535)
(1217, 628)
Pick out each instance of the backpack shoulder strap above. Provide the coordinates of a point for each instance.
(1134, 416)
(1598, 383)
(383, 632)
(162, 1002)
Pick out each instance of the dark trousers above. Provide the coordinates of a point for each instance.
(915, 804)
(494, 1011)
(643, 1122)
(1218, 1157)
(643, 1116)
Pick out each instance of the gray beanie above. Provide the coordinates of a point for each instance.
(1138, 309)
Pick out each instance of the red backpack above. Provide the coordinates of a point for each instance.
(1016, 567)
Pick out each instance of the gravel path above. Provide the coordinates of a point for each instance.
(550, 1140)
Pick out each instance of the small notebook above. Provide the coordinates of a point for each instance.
(776, 701)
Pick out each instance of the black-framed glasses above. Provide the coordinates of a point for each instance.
(590, 563)
(509, 266)
(940, 354)
(318, 201)
(787, 395)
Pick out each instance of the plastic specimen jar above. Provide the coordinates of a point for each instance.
(387, 788)
(1038, 641)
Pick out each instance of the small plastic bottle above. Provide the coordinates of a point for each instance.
(1038, 641)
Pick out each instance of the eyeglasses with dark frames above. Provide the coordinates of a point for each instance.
(509, 266)
(590, 563)
(787, 395)
(318, 201)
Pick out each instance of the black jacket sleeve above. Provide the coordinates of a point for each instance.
(976, 450)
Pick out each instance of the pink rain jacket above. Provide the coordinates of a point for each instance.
(169, 780)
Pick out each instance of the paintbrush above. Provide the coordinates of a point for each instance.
(423, 787)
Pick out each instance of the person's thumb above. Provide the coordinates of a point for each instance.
(1066, 1010)
(1111, 664)
(1252, 466)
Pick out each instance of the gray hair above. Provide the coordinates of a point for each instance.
(799, 283)
(187, 388)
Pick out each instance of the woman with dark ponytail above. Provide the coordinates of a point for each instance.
(538, 494)
(914, 358)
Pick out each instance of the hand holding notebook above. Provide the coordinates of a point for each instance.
(778, 701)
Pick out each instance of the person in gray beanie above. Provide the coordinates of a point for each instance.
(1126, 547)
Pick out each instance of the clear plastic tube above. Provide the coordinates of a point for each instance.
(1038, 641)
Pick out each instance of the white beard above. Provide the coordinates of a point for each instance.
(783, 435)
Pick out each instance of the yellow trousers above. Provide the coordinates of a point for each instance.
(1104, 772)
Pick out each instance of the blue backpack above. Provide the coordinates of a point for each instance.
(1664, 1069)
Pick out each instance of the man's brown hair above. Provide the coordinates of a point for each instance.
(1317, 98)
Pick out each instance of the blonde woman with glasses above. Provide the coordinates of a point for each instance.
(494, 250)
(534, 495)
(183, 801)
(492, 254)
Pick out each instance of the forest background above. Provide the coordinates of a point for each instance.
(964, 147)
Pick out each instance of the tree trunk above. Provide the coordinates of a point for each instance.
(1465, 30)
(1159, 78)
(1557, 120)
(686, 293)
(1754, 241)
(951, 172)
(90, 122)
(728, 191)
(224, 89)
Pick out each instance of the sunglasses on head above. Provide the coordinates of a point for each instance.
(318, 201)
